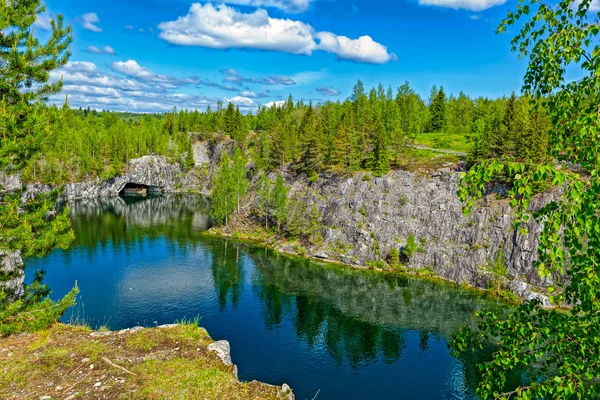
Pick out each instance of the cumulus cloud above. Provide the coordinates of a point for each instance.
(109, 50)
(105, 50)
(223, 27)
(289, 6)
(42, 22)
(254, 95)
(88, 86)
(328, 91)
(364, 49)
(128, 27)
(278, 103)
(241, 101)
(88, 21)
(473, 5)
(232, 76)
(216, 85)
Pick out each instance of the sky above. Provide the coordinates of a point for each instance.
(154, 55)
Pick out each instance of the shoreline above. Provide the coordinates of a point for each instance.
(414, 273)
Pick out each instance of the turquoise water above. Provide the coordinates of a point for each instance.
(338, 332)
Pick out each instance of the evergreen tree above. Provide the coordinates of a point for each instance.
(25, 64)
(312, 157)
(381, 160)
(437, 109)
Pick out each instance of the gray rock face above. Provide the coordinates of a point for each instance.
(364, 219)
(153, 171)
(10, 182)
(11, 264)
(223, 351)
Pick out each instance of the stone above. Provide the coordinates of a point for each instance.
(12, 263)
(223, 351)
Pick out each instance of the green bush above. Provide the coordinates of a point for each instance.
(393, 257)
(410, 247)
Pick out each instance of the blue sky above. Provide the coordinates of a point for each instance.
(152, 55)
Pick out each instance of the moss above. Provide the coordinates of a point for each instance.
(363, 211)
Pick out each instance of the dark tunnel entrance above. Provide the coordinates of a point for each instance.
(139, 190)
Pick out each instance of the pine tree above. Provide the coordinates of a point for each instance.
(230, 121)
(312, 157)
(437, 108)
(381, 160)
(25, 65)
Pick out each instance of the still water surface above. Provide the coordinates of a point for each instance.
(338, 332)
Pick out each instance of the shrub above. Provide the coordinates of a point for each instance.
(363, 211)
(393, 257)
(410, 247)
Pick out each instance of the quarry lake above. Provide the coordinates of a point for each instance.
(326, 330)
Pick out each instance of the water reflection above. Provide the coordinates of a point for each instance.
(350, 334)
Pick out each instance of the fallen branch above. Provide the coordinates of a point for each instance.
(106, 360)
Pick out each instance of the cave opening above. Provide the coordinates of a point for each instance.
(139, 190)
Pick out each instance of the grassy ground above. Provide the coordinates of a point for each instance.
(67, 362)
(427, 160)
(444, 141)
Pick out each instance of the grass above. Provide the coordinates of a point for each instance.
(65, 361)
(419, 160)
(444, 141)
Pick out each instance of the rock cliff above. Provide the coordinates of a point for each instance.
(363, 218)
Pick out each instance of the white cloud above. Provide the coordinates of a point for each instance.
(328, 91)
(474, 17)
(133, 69)
(254, 95)
(241, 101)
(223, 27)
(473, 5)
(106, 50)
(128, 27)
(89, 20)
(364, 49)
(278, 103)
(232, 76)
(94, 49)
(87, 86)
(42, 21)
(594, 5)
(289, 6)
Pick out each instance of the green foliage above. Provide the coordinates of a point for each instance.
(33, 311)
(224, 192)
(25, 65)
(437, 108)
(273, 199)
(410, 247)
(558, 351)
(393, 257)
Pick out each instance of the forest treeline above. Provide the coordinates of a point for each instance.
(371, 130)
